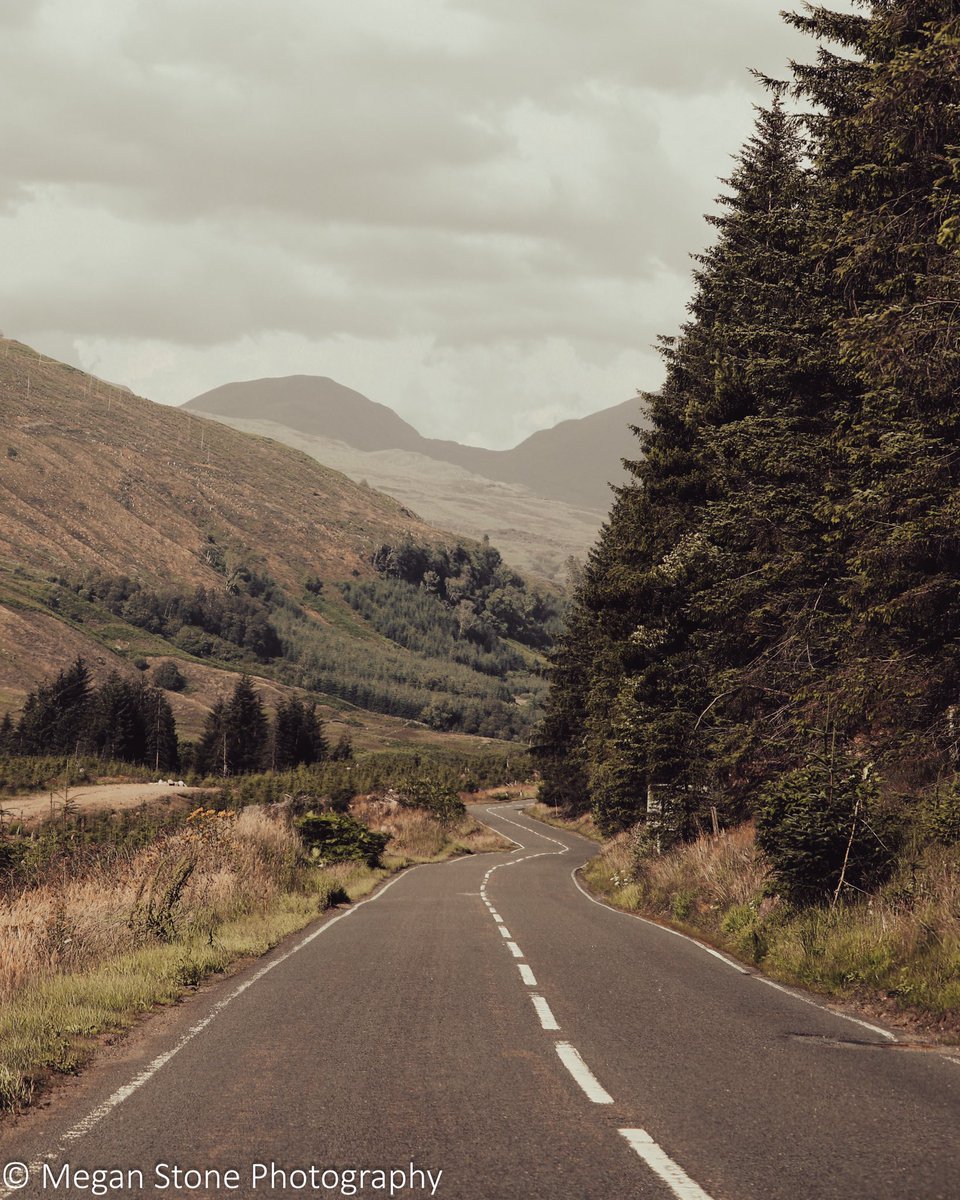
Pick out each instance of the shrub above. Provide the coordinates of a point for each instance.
(167, 675)
(823, 828)
(337, 837)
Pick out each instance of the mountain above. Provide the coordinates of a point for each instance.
(537, 535)
(574, 462)
(131, 532)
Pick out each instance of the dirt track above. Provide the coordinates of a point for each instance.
(98, 796)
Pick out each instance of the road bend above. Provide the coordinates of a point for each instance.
(484, 1029)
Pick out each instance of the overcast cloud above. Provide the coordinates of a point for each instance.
(478, 212)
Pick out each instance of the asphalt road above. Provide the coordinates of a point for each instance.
(484, 1030)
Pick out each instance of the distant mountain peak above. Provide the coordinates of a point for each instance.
(576, 461)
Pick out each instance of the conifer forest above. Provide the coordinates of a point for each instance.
(769, 624)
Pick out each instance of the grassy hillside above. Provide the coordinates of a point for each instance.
(131, 533)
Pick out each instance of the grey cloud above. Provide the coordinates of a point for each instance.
(479, 173)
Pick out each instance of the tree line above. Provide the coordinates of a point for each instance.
(769, 624)
(130, 721)
(489, 599)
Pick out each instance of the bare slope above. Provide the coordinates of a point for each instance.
(91, 475)
(574, 462)
(93, 478)
(535, 534)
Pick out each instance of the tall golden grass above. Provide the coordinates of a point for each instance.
(218, 867)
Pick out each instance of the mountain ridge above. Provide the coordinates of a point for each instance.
(575, 461)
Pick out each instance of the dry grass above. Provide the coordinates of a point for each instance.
(585, 825)
(417, 836)
(81, 955)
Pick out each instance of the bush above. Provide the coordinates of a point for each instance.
(823, 828)
(167, 675)
(337, 837)
(428, 791)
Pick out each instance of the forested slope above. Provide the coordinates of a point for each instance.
(769, 624)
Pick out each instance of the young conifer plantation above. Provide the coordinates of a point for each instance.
(769, 625)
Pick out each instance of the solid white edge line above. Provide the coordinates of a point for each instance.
(891, 1037)
(96, 1115)
(514, 949)
(570, 1057)
(674, 1176)
(527, 975)
(547, 1019)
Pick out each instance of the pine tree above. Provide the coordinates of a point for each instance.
(7, 735)
(297, 735)
(55, 716)
(888, 164)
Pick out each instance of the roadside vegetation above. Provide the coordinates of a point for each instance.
(103, 917)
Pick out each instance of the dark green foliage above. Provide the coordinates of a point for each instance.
(337, 837)
(132, 723)
(428, 789)
(824, 831)
(234, 740)
(490, 600)
(54, 717)
(417, 620)
(167, 675)
(785, 560)
(204, 623)
(297, 736)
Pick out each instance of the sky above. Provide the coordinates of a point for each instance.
(479, 212)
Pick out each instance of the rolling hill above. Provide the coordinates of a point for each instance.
(131, 532)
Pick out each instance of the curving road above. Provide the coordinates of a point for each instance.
(485, 1030)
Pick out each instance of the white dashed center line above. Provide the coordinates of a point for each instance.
(527, 975)
(514, 949)
(674, 1176)
(547, 1019)
(570, 1057)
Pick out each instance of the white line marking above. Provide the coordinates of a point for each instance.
(94, 1117)
(659, 1161)
(663, 928)
(527, 975)
(496, 916)
(891, 1037)
(547, 1019)
(570, 1057)
(505, 932)
(515, 950)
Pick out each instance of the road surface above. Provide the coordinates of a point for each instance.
(484, 1030)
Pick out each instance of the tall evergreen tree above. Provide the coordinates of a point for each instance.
(234, 740)
(297, 735)
(889, 169)
(55, 717)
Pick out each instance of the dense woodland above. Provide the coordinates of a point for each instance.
(769, 624)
